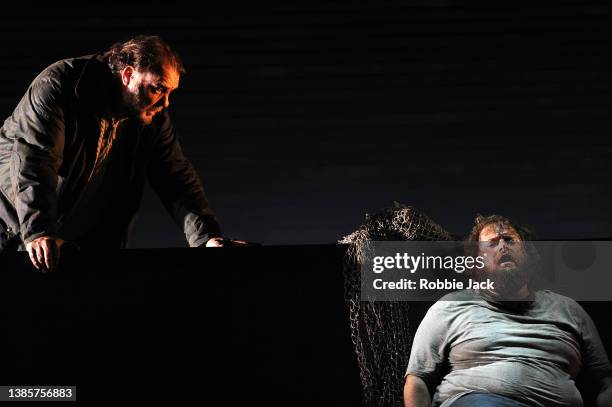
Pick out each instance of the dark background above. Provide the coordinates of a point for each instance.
(302, 116)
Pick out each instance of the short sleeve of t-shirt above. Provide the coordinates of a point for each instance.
(428, 353)
(596, 364)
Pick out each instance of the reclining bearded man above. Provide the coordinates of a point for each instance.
(515, 347)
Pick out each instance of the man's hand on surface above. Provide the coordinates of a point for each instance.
(222, 242)
(45, 252)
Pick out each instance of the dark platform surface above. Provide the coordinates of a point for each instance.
(261, 324)
(265, 325)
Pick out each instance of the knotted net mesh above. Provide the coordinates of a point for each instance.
(381, 331)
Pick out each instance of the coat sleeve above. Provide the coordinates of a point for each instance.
(179, 187)
(38, 129)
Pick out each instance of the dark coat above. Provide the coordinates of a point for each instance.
(47, 150)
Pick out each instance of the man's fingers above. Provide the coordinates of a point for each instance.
(51, 254)
(45, 252)
(39, 252)
(221, 242)
(215, 242)
(40, 256)
(33, 256)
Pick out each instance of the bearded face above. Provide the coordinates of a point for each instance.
(505, 258)
(146, 93)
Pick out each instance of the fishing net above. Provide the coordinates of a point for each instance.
(381, 331)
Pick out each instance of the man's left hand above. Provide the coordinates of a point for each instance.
(221, 242)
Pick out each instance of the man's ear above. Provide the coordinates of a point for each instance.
(127, 74)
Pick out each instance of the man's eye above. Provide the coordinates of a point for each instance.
(488, 244)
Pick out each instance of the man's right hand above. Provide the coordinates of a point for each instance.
(45, 252)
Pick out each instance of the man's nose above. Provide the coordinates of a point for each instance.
(504, 245)
(166, 100)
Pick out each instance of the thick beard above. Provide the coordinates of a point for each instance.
(507, 283)
(510, 281)
(134, 106)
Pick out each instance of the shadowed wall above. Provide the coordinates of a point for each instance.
(300, 116)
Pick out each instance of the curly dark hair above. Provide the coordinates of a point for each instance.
(481, 221)
(144, 53)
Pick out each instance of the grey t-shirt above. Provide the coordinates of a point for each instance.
(534, 356)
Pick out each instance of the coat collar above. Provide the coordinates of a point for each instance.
(97, 88)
